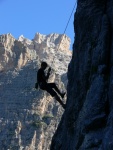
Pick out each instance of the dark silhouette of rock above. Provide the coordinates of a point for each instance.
(87, 123)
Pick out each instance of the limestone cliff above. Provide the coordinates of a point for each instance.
(29, 117)
(87, 123)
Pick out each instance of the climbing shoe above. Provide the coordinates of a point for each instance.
(62, 95)
(64, 106)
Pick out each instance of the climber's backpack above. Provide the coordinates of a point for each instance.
(36, 85)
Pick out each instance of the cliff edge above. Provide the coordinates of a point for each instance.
(87, 123)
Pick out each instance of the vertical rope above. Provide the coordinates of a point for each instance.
(65, 30)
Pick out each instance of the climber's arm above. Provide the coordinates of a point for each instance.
(41, 75)
(48, 74)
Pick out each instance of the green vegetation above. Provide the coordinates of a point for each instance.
(47, 116)
(39, 124)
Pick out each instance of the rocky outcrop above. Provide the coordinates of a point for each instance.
(87, 123)
(29, 117)
(16, 53)
(54, 48)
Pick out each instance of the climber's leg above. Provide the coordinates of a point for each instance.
(54, 94)
(53, 85)
(59, 100)
(50, 90)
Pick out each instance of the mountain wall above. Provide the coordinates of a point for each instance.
(87, 123)
(29, 117)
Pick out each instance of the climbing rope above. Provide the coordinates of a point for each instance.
(65, 29)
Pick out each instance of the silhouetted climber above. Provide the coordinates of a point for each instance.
(51, 88)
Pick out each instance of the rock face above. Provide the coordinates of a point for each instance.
(29, 117)
(87, 123)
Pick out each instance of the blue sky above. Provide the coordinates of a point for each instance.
(26, 17)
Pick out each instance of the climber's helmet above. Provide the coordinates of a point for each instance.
(44, 65)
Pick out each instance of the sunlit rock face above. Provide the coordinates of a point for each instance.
(29, 117)
(52, 47)
(87, 123)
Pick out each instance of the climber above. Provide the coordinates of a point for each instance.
(51, 88)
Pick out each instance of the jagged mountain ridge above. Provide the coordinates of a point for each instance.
(28, 118)
(25, 50)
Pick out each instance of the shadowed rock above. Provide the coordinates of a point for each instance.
(87, 121)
